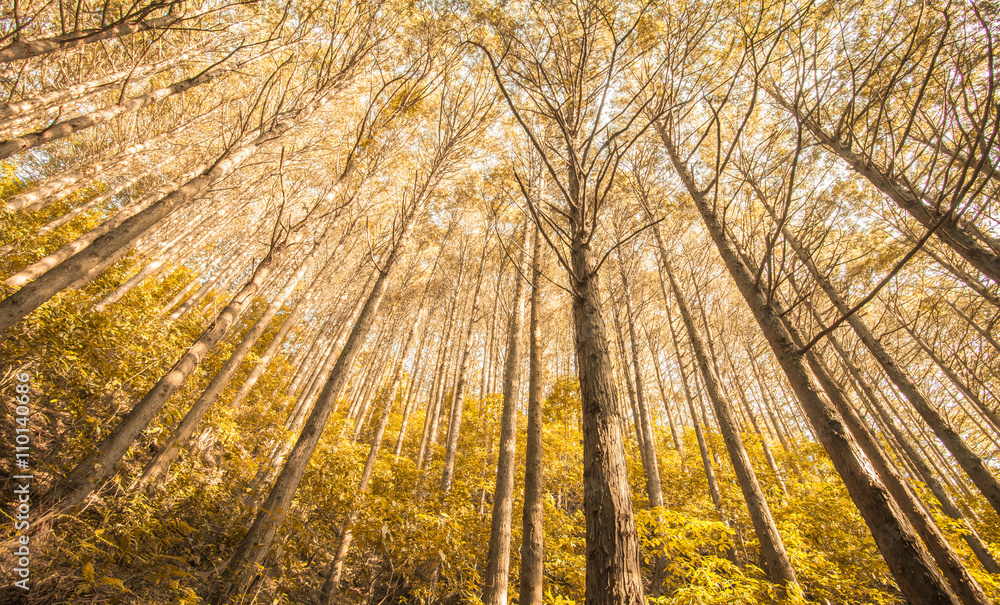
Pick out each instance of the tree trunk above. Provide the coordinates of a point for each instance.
(169, 451)
(532, 521)
(498, 559)
(53, 188)
(458, 395)
(964, 585)
(104, 250)
(95, 469)
(924, 471)
(331, 584)
(774, 559)
(89, 120)
(614, 575)
(255, 545)
(663, 396)
(706, 457)
(911, 567)
(49, 261)
(17, 51)
(977, 470)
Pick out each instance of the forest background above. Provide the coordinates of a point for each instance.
(540, 302)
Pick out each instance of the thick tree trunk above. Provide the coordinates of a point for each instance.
(614, 575)
(965, 586)
(923, 469)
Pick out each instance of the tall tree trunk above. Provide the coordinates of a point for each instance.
(699, 433)
(922, 467)
(257, 541)
(182, 434)
(653, 488)
(95, 469)
(965, 586)
(614, 573)
(977, 470)
(498, 559)
(69, 127)
(20, 50)
(54, 259)
(966, 389)
(458, 395)
(663, 395)
(331, 584)
(43, 194)
(106, 249)
(908, 561)
(169, 252)
(533, 517)
(953, 231)
(774, 559)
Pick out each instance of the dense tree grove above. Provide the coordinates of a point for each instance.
(575, 301)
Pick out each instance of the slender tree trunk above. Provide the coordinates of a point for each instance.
(50, 261)
(626, 377)
(54, 188)
(966, 389)
(498, 559)
(458, 395)
(706, 457)
(106, 249)
(663, 396)
(908, 561)
(965, 586)
(533, 517)
(89, 120)
(255, 545)
(169, 252)
(977, 470)
(20, 50)
(95, 469)
(774, 559)
(331, 584)
(169, 451)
